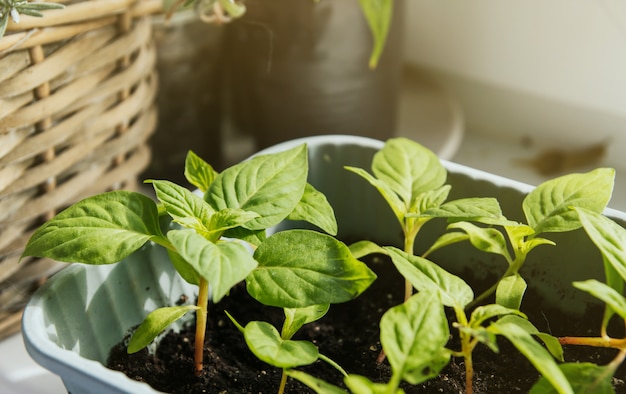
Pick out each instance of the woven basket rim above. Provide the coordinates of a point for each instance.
(83, 11)
(65, 23)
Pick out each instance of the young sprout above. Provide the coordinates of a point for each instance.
(278, 349)
(411, 180)
(207, 241)
(549, 208)
(610, 239)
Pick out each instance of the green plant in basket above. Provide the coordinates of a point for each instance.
(210, 244)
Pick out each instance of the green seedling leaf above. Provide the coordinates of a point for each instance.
(270, 185)
(584, 378)
(362, 385)
(520, 237)
(606, 294)
(608, 236)
(414, 335)
(223, 264)
(467, 209)
(510, 291)
(295, 318)
(493, 221)
(548, 208)
(315, 209)
(265, 342)
(482, 335)
(431, 199)
(315, 384)
(254, 237)
(398, 207)
(300, 268)
(154, 324)
(186, 208)
(102, 229)
(518, 232)
(363, 248)
(614, 281)
(198, 172)
(408, 168)
(610, 239)
(552, 343)
(482, 314)
(447, 239)
(425, 275)
(486, 239)
(378, 14)
(534, 242)
(184, 269)
(228, 218)
(486, 312)
(535, 353)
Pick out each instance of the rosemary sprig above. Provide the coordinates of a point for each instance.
(15, 8)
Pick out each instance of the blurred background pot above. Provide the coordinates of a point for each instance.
(298, 68)
(188, 63)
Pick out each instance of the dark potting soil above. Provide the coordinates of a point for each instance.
(348, 334)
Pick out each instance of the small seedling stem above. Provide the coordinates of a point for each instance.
(201, 320)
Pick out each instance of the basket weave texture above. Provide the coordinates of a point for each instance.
(77, 94)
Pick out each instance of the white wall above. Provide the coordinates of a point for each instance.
(572, 51)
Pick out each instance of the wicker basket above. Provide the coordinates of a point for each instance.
(77, 91)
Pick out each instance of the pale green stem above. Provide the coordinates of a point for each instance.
(469, 373)
(283, 382)
(163, 241)
(467, 347)
(410, 232)
(333, 364)
(512, 270)
(408, 248)
(201, 320)
(520, 256)
(394, 383)
(617, 361)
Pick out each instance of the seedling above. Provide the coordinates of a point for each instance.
(549, 208)
(610, 239)
(208, 244)
(411, 179)
(278, 349)
(415, 333)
